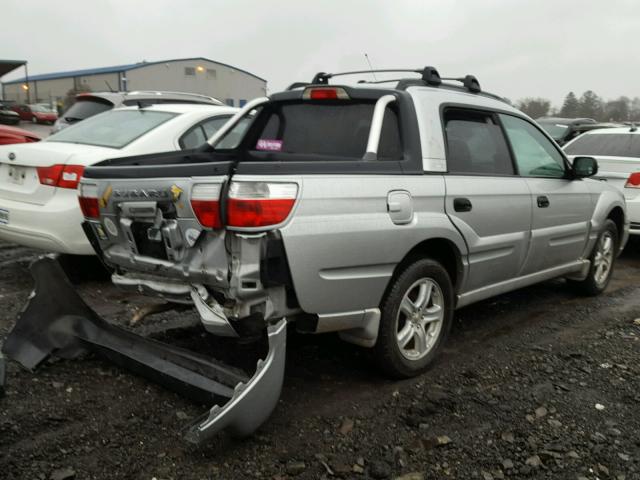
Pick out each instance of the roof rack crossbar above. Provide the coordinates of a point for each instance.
(468, 81)
(381, 81)
(322, 77)
(429, 75)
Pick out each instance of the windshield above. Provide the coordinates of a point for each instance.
(114, 129)
(39, 108)
(557, 131)
(85, 108)
(605, 145)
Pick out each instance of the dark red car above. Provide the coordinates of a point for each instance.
(10, 135)
(35, 113)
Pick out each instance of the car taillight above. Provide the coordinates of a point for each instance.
(89, 201)
(205, 202)
(633, 181)
(325, 93)
(260, 204)
(63, 176)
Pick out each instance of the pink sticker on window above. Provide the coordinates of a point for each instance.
(269, 145)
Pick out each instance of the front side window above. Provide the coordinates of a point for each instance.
(475, 144)
(535, 155)
(113, 129)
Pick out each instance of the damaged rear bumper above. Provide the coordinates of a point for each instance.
(57, 322)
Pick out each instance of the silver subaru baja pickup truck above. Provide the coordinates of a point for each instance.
(369, 211)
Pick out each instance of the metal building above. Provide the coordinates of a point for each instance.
(229, 84)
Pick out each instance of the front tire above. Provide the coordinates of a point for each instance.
(602, 259)
(417, 313)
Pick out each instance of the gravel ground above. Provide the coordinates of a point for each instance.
(539, 383)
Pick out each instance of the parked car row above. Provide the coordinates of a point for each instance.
(372, 211)
(8, 116)
(37, 113)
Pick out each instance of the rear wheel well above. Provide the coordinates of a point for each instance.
(439, 249)
(617, 215)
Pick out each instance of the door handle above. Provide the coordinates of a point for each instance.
(543, 201)
(462, 205)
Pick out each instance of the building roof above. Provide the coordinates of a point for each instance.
(116, 69)
(7, 66)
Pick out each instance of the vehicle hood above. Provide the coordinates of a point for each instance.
(51, 153)
(9, 113)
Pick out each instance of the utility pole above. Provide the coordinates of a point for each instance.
(26, 76)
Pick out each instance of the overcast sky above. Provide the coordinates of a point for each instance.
(516, 48)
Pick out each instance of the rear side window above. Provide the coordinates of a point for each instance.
(86, 108)
(200, 133)
(606, 145)
(335, 129)
(475, 144)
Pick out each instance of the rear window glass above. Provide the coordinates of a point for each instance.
(606, 145)
(86, 108)
(339, 129)
(114, 129)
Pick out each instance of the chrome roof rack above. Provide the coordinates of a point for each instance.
(429, 76)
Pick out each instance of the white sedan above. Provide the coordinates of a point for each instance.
(618, 153)
(38, 200)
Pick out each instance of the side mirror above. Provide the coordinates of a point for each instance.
(584, 167)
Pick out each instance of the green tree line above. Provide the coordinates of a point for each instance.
(589, 105)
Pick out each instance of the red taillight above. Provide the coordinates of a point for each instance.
(49, 175)
(89, 207)
(63, 176)
(88, 198)
(633, 181)
(260, 204)
(325, 93)
(205, 202)
(71, 175)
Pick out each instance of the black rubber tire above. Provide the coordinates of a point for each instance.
(589, 286)
(386, 350)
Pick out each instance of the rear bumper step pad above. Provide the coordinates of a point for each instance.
(56, 321)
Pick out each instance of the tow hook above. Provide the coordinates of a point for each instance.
(57, 322)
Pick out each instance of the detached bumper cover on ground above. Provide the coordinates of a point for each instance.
(56, 321)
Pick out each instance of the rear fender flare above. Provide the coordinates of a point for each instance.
(445, 246)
